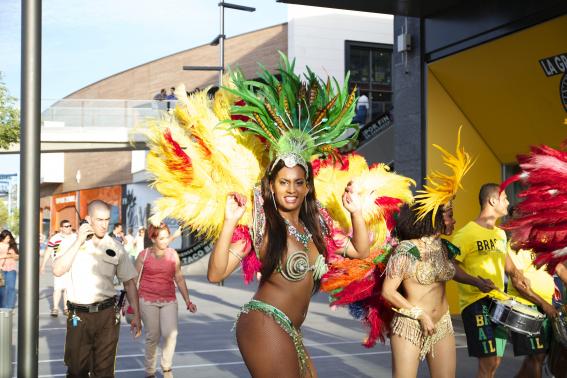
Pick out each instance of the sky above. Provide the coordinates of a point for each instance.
(87, 40)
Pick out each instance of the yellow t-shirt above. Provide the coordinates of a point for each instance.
(483, 253)
(541, 282)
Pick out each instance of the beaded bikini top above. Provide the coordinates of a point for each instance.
(427, 259)
(297, 263)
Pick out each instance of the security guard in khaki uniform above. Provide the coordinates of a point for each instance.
(93, 323)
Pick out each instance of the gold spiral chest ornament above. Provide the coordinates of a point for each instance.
(297, 264)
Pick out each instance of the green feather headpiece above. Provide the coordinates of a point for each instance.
(298, 118)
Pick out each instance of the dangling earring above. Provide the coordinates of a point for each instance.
(305, 204)
(274, 199)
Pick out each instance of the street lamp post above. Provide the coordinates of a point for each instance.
(219, 40)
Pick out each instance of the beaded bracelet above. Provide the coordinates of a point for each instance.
(235, 254)
(348, 240)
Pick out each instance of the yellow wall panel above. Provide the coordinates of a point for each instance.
(443, 120)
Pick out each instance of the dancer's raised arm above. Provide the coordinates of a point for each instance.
(359, 246)
(227, 255)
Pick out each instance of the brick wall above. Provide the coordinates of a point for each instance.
(144, 81)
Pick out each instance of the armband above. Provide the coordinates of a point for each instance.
(235, 254)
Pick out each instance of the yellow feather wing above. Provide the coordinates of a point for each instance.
(197, 161)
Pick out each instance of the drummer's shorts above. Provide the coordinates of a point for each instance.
(525, 345)
(484, 338)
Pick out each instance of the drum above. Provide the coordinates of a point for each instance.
(516, 316)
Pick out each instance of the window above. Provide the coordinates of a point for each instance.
(370, 66)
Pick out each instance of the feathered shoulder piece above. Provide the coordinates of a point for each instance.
(380, 191)
(452, 250)
(441, 188)
(297, 118)
(539, 221)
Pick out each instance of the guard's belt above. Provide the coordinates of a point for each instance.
(93, 307)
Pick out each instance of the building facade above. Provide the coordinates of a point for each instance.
(362, 45)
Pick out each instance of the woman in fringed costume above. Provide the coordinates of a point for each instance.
(417, 271)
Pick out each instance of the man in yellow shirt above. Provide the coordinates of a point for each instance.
(484, 254)
(540, 294)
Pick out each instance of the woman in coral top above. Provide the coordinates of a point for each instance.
(160, 271)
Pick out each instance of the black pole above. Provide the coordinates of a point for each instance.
(28, 306)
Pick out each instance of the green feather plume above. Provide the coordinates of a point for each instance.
(305, 117)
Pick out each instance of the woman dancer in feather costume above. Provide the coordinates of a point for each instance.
(289, 235)
(417, 271)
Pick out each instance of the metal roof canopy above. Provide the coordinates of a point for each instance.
(411, 8)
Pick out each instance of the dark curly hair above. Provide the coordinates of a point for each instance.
(408, 227)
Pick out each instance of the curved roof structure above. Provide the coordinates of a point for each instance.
(144, 81)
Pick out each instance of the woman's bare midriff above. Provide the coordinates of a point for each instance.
(291, 297)
(431, 298)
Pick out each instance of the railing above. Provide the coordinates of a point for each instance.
(102, 113)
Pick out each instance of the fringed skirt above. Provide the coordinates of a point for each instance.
(410, 329)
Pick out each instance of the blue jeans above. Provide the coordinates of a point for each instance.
(8, 291)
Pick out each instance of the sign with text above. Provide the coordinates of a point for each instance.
(554, 65)
(557, 65)
(369, 131)
(195, 252)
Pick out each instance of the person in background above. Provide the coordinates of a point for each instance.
(9, 257)
(118, 233)
(139, 241)
(160, 270)
(171, 98)
(361, 111)
(541, 290)
(129, 243)
(59, 283)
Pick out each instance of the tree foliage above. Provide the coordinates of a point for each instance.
(14, 222)
(3, 215)
(9, 118)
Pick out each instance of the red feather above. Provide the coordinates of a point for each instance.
(355, 291)
(511, 180)
(540, 222)
(181, 161)
(390, 206)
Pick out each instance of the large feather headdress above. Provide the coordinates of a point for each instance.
(442, 188)
(297, 118)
